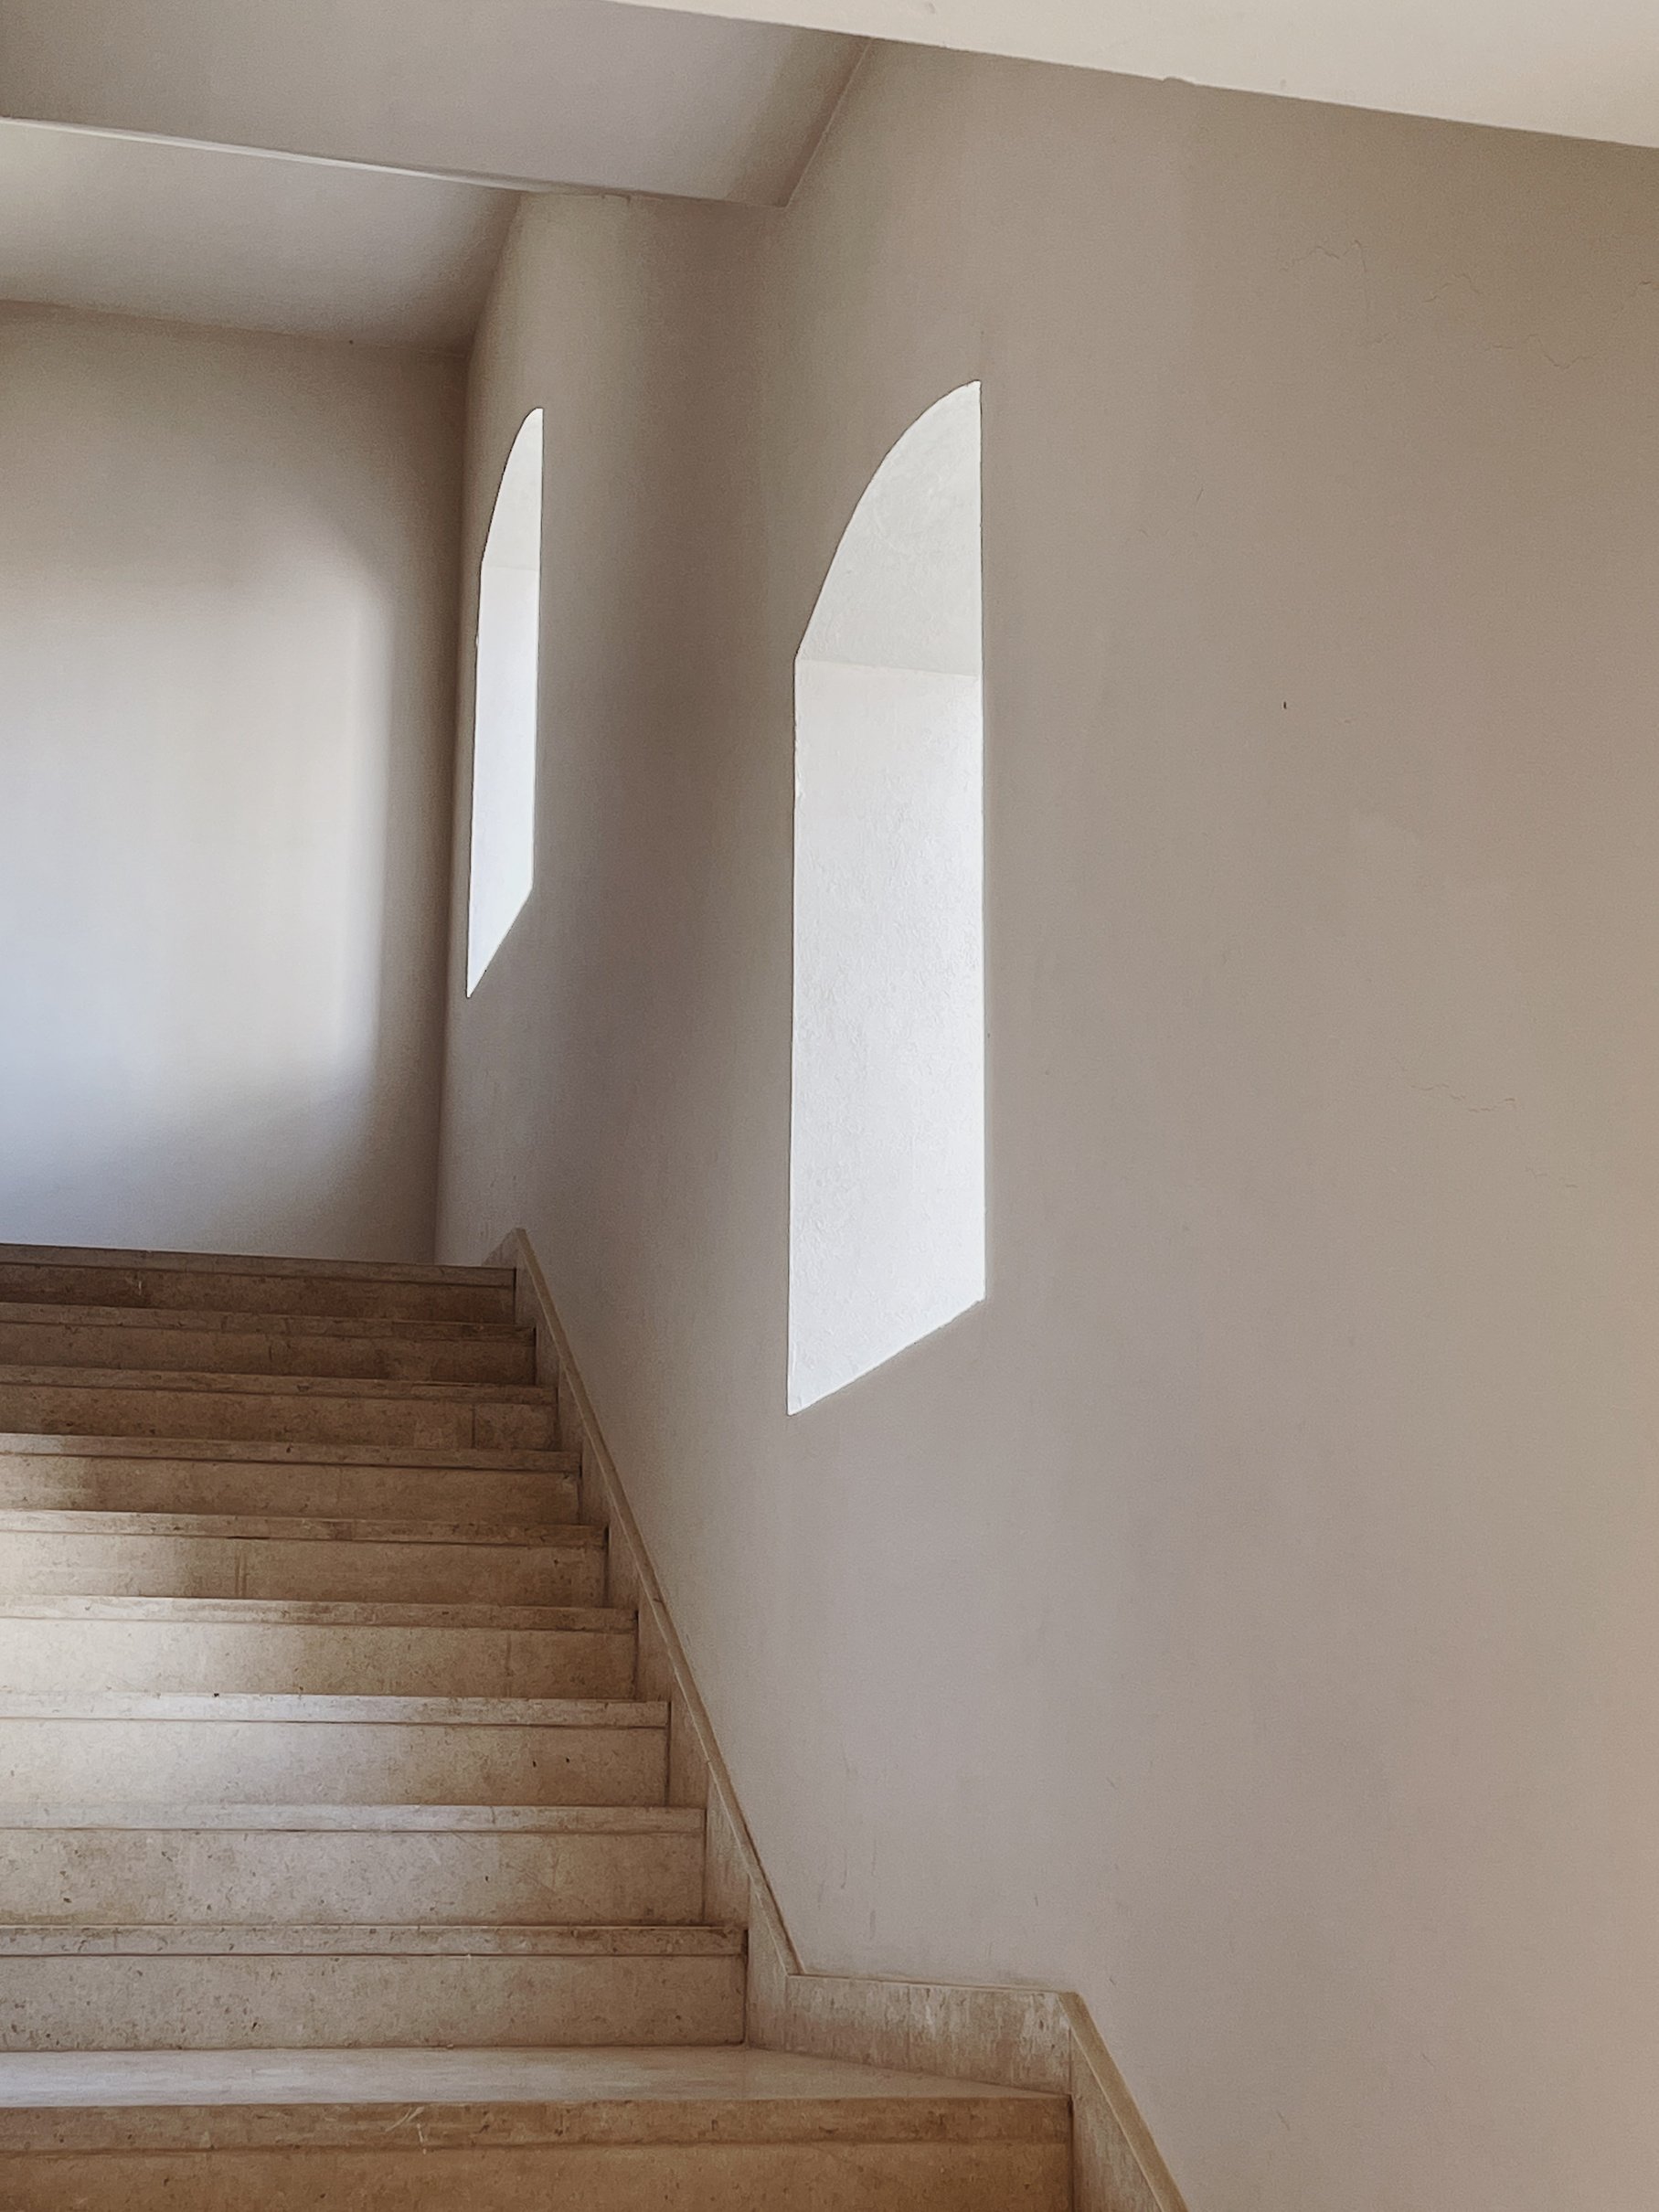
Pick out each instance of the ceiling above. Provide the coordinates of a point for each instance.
(1582, 69)
(125, 226)
(412, 114)
(526, 91)
(349, 168)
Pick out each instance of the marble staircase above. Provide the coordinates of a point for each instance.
(336, 1862)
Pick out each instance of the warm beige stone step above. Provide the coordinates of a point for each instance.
(257, 1645)
(250, 1555)
(203, 1475)
(130, 1988)
(212, 1864)
(32, 1335)
(570, 2131)
(70, 1275)
(116, 1747)
(108, 1401)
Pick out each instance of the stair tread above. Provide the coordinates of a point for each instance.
(324, 1709)
(272, 1452)
(298, 1819)
(95, 2100)
(196, 1895)
(311, 1612)
(249, 1263)
(236, 1321)
(344, 1938)
(192, 1382)
(300, 1528)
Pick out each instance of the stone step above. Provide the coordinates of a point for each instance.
(350, 1985)
(198, 1474)
(262, 1645)
(265, 1344)
(158, 1555)
(74, 1275)
(119, 1747)
(499, 2131)
(211, 1864)
(321, 1409)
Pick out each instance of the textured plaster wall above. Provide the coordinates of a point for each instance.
(227, 610)
(1248, 1615)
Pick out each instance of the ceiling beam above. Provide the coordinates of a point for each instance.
(527, 92)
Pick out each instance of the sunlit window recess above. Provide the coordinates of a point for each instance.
(502, 857)
(888, 1110)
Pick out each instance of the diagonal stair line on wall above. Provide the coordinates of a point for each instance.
(1026, 2036)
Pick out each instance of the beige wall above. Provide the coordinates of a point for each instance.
(1247, 1616)
(226, 613)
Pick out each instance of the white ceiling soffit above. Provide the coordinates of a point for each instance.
(522, 92)
(1582, 69)
(198, 235)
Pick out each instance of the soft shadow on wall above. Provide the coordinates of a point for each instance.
(224, 650)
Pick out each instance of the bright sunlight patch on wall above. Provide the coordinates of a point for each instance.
(504, 707)
(887, 1114)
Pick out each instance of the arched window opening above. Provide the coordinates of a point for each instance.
(887, 1116)
(503, 864)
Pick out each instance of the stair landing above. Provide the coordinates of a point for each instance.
(494, 2131)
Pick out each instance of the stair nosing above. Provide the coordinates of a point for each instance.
(330, 2105)
(277, 1451)
(143, 1263)
(323, 1612)
(322, 1708)
(665, 2116)
(212, 1382)
(236, 1321)
(297, 1528)
(346, 1939)
(186, 1817)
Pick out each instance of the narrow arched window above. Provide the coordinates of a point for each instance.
(503, 864)
(888, 1115)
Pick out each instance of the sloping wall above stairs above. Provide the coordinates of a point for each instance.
(1245, 1616)
(1027, 2037)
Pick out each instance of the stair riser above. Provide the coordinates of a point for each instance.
(238, 1352)
(345, 1763)
(228, 1567)
(850, 2177)
(67, 1482)
(254, 2002)
(235, 1416)
(69, 1658)
(165, 1878)
(324, 1297)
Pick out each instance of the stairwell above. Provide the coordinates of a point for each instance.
(337, 1867)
